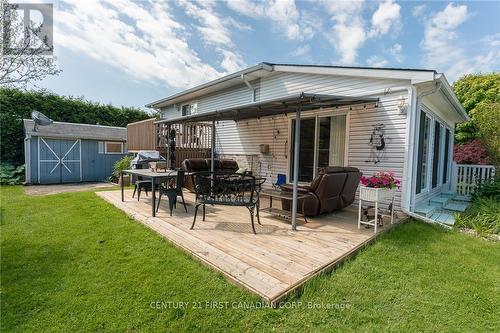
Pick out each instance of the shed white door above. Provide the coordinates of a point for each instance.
(59, 161)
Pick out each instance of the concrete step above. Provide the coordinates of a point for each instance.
(440, 201)
(425, 209)
(443, 217)
(456, 206)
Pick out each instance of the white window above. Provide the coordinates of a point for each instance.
(188, 109)
(110, 147)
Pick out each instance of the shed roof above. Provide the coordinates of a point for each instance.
(76, 131)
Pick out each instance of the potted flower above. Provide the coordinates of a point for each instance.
(380, 186)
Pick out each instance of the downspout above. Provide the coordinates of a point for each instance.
(27, 159)
(415, 101)
(249, 85)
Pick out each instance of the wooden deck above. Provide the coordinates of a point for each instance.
(272, 263)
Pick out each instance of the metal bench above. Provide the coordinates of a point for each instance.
(226, 189)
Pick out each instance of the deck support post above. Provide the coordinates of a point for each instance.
(167, 146)
(212, 156)
(296, 151)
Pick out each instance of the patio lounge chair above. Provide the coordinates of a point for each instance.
(333, 188)
(226, 189)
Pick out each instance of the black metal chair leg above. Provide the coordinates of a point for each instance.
(183, 202)
(135, 189)
(257, 213)
(195, 213)
(203, 212)
(138, 193)
(171, 201)
(158, 205)
(250, 209)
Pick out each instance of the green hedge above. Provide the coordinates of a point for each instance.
(15, 105)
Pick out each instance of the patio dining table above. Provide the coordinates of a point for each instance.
(156, 178)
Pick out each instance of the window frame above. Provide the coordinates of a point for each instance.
(317, 115)
(103, 147)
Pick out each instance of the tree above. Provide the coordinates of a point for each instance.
(16, 104)
(471, 90)
(26, 47)
(487, 119)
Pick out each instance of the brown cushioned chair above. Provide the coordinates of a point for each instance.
(204, 164)
(333, 188)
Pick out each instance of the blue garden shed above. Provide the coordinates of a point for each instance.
(68, 153)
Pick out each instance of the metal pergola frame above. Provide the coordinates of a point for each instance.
(290, 104)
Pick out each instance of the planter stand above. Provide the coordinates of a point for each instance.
(375, 195)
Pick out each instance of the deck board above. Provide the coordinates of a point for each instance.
(271, 263)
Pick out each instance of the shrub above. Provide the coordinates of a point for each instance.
(487, 118)
(483, 216)
(119, 166)
(11, 175)
(488, 189)
(472, 152)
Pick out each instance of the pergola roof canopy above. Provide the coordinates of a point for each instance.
(282, 105)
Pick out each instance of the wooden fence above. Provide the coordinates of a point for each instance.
(191, 140)
(465, 177)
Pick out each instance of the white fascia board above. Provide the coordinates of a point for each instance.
(415, 76)
(452, 98)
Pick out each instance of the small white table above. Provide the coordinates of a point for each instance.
(375, 195)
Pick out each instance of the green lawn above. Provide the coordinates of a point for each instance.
(72, 262)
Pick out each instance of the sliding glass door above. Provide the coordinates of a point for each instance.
(423, 152)
(322, 143)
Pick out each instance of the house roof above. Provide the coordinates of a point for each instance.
(272, 107)
(76, 131)
(265, 69)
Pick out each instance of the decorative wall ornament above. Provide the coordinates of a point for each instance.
(377, 142)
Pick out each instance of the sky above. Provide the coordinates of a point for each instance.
(131, 53)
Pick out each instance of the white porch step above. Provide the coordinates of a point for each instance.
(439, 200)
(426, 209)
(456, 206)
(465, 198)
(443, 217)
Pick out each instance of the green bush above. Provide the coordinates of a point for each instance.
(11, 175)
(488, 189)
(483, 216)
(119, 166)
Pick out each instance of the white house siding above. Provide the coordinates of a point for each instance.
(241, 140)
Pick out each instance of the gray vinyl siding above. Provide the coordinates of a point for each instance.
(241, 140)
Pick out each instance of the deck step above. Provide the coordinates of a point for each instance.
(440, 200)
(465, 198)
(448, 195)
(425, 210)
(443, 217)
(456, 206)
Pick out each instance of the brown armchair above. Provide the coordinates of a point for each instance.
(333, 188)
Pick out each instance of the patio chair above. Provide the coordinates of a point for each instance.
(226, 189)
(173, 191)
(141, 185)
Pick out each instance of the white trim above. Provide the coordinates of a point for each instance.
(27, 159)
(415, 76)
(38, 158)
(318, 113)
(81, 174)
(112, 153)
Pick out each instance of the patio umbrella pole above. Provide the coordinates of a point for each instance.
(296, 147)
